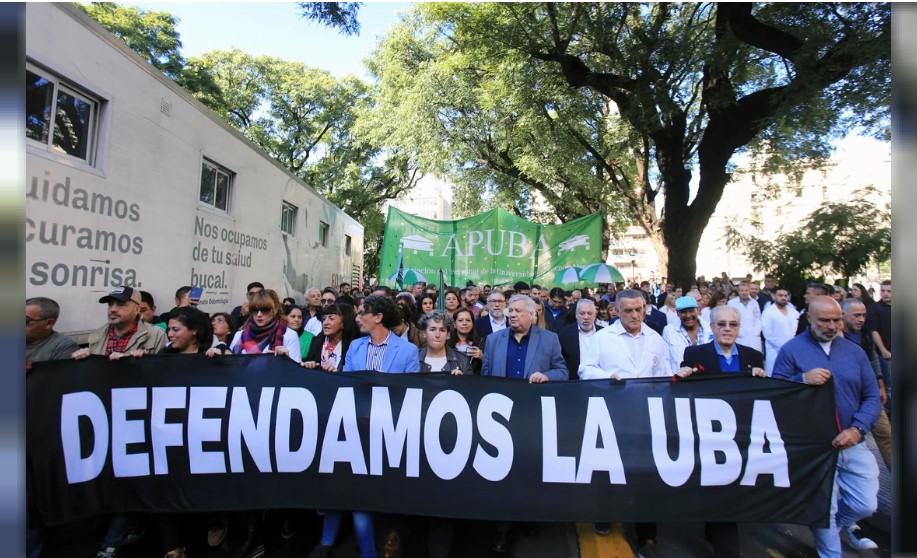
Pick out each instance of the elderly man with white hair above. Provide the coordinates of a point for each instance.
(524, 350)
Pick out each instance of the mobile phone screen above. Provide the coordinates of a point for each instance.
(196, 293)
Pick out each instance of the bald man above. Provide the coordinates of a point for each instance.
(813, 357)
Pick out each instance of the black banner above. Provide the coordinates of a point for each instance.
(188, 433)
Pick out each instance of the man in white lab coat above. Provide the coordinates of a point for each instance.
(750, 332)
(778, 323)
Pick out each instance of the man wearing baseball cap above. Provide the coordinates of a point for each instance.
(688, 332)
(124, 332)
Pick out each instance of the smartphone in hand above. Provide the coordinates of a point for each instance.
(195, 295)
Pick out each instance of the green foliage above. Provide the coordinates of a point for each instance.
(342, 15)
(153, 35)
(839, 238)
(311, 122)
(619, 104)
(504, 130)
(304, 117)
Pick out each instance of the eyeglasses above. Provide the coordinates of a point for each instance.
(264, 311)
(496, 300)
(730, 325)
(30, 321)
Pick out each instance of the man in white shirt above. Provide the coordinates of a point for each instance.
(628, 348)
(778, 323)
(689, 330)
(748, 309)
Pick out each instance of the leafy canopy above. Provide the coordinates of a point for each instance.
(342, 15)
(628, 102)
(838, 238)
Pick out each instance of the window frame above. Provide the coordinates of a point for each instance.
(230, 186)
(94, 122)
(348, 245)
(324, 232)
(287, 208)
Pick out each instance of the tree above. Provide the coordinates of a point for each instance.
(506, 132)
(154, 36)
(342, 15)
(310, 122)
(685, 87)
(838, 238)
(303, 117)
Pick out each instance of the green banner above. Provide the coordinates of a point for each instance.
(495, 248)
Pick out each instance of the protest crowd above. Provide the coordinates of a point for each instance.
(524, 332)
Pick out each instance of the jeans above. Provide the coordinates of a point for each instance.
(362, 529)
(855, 496)
(886, 367)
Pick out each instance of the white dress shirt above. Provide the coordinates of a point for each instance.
(618, 353)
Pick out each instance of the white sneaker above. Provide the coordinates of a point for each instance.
(853, 537)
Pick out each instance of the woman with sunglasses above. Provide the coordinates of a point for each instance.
(266, 330)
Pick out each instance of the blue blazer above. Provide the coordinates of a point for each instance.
(543, 354)
(400, 356)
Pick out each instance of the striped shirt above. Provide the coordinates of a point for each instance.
(375, 354)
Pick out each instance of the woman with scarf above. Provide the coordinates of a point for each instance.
(330, 346)
(266, 330)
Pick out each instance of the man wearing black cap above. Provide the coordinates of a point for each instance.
(124, 332)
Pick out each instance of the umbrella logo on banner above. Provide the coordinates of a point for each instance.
(601, 273)
(567, 275)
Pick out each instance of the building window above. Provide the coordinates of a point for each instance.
(323, 232)
(287, 217)
(60, 117)
(348, 243)
(216, 185)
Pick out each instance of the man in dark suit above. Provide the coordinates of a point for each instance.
(721, 356)
(654, 317)
(494, 320)
(555, 313)
(576, 339)
(660, 299)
